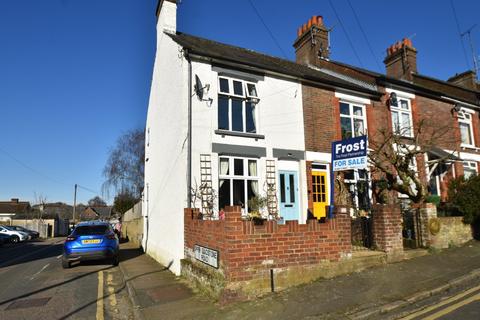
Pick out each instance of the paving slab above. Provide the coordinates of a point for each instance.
(161, 295)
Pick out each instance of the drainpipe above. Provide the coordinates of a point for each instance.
(189, 151)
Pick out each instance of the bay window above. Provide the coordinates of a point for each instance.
(237, 101)
(237, 182)
(469, 169)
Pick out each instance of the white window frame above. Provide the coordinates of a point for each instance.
(470, 165)
(353, 182)
(352, 116)
(403, 132)
(465, 116)
(245, 97)
(231, 176)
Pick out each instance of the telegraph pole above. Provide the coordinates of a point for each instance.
(74, 203)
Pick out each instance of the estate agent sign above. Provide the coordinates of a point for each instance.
(349, 154)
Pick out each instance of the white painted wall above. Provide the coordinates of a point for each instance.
(166, 148)
(279, 119)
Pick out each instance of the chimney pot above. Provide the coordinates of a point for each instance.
(310, 21)
(314, 20)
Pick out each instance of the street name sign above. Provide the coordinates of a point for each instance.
(349, 154)
(206, 255)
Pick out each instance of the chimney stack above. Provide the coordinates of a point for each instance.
(467, 79)
(312, 42)
(14, 200)
(401, 60)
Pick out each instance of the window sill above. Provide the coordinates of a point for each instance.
(469, 147)
(224, 133)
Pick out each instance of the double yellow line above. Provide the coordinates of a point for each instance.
(449, 309)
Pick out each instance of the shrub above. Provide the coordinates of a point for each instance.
(464, 194)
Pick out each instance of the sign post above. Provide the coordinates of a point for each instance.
(347, 154)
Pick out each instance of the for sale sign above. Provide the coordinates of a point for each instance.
(349, 154)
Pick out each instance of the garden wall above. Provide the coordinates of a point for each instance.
(453, 232)
(254, 259)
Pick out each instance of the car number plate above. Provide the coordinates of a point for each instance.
(91, 241)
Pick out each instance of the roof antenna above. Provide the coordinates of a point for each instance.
(474, 56)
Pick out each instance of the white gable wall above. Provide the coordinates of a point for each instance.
(166, 149)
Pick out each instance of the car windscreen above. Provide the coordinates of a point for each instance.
(90, 230)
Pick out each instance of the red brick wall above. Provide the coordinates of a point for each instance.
(387, 228)
(321, 118)
(247, 251)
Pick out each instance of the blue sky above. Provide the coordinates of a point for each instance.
(75, 74)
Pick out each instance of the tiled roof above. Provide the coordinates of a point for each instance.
(329, 72)
(12, 207)
(225, 52)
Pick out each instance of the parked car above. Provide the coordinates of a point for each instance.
(92, 240)
(33, 234)
(5, 238)
(16, 236)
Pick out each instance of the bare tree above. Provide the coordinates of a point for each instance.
(393, 156)
(124, 170)
(40, 202)
(97, 202)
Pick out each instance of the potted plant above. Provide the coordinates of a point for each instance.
(256, 207)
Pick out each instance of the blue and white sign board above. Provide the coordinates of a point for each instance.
(349, 154)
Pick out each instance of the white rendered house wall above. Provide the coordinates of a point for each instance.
(166, 149)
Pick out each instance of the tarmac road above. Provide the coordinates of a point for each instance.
(33, 285)
(463, 303)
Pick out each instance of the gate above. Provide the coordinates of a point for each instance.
(410, 228)
(362, 233)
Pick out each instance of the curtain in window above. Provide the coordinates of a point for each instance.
(252, 172)
(223, 169)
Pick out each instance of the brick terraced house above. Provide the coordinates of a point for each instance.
(227, 126)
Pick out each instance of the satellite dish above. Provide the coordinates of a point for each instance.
(198, 88)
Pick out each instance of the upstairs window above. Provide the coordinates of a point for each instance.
(237, 101)
(466, 128)
(352, 120)
(402, 118)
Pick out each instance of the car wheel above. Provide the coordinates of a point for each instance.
(15, 239)
(66, 264)
(115, 260)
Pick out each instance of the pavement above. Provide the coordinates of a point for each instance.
(375, 293)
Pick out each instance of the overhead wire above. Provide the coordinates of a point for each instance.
(459, 33)
(346, 34)
(365, 36)
(39, 173)
(268, 29)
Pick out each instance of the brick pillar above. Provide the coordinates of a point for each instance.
(427, 211)
(387, 230)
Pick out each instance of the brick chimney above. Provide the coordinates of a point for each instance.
(467, 79)
(312, 42)
(14, 200)
(401, 60)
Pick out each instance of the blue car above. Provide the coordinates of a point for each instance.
(92, 240)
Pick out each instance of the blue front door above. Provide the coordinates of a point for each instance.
(288, 194)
